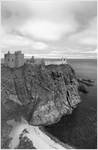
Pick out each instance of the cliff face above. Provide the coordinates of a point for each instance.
(41, 94)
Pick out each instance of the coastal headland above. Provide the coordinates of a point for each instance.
(40, 94)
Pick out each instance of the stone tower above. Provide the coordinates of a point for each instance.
(14, 60)
(19, 59)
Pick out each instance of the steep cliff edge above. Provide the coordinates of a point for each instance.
(40, 94)
(45, 94)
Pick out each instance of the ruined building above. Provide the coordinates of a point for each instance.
(64, 60)
(36, 61)
(14, 60)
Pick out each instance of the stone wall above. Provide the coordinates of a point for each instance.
(19, 58)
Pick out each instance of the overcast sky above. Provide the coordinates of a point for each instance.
(49, 28)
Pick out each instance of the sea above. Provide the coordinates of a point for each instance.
(80, 128)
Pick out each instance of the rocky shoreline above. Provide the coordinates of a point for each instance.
(84, 84)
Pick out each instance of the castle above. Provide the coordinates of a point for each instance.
(17, 59)
(14, 60)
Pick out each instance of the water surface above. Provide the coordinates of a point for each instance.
(79, 128)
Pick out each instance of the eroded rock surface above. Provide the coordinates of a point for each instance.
(41, 94)
(46, 92)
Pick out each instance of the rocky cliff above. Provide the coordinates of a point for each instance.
(40, 94)
(46, 93)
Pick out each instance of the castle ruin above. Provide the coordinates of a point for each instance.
(14, 60)
(17, 59)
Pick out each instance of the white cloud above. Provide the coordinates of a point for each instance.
(92, 52)
(48, 30)
(12, 42)
(35, 26)
(40, 46)
(87, 36)
(50, 19)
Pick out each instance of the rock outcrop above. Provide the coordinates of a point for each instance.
(84, 84)
(42, 94)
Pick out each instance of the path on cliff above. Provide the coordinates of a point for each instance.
(39, 139)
